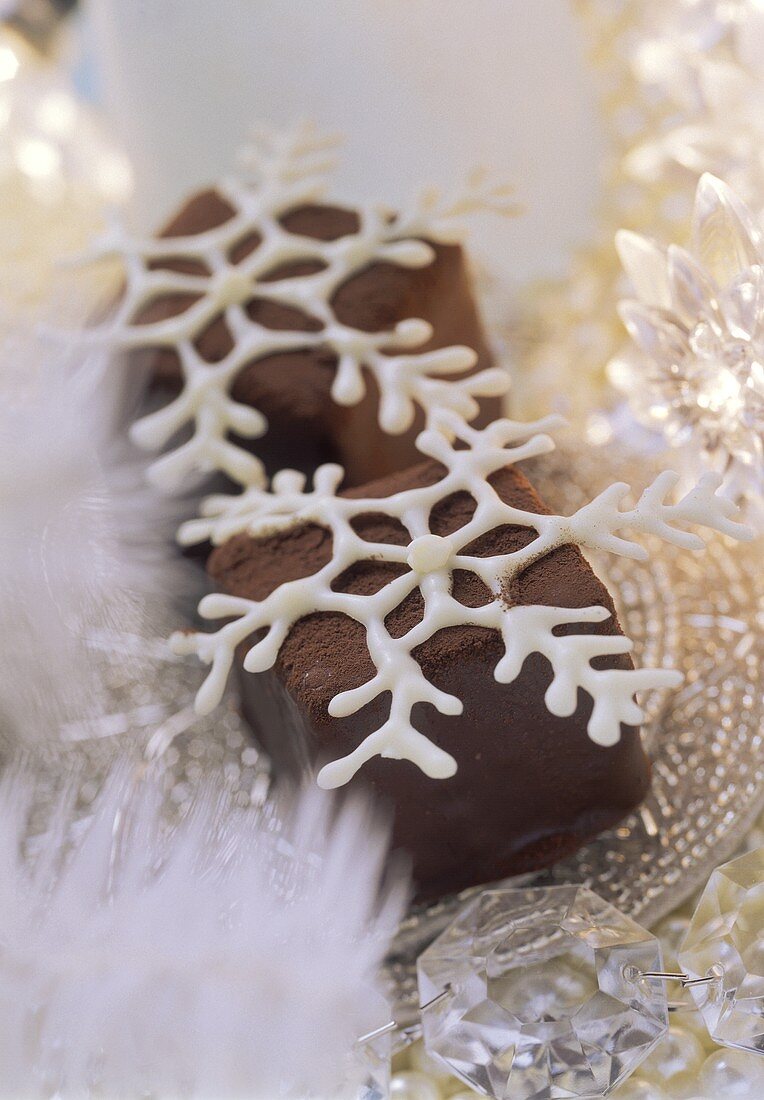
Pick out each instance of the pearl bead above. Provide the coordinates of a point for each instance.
(675, 1063)
(753, 956)
(689, 907)
(412, 1085)
(420, 1060)
(635, 1089)
(692, 1021)
(545, 990)
(671, 932)
(401, 1060)
(732, 1073)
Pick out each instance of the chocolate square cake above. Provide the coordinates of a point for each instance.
(292, 388)
(529, 786)
(425, 630)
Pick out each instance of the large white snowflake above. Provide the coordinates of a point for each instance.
(469, 457)
(281, 172)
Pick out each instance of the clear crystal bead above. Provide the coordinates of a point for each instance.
(697, 322)
(725, 941)
(545, 996)
(368, 1072)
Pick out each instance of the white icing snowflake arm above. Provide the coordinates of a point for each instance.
(216, 650)
(277, 614)
(502, 443)
(442, 220)
(403, 380)
(597, 524)
(205, 405)
(527, 630)
(279, 158)
(397, 738)
(258, 511)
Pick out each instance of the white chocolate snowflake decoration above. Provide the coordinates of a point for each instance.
(469, 457)
(282, 172)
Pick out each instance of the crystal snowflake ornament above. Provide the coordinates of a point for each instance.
(546, 996)
(699, 59)
(725, 942)
(698, 325)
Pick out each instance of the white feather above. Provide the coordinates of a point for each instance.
(84, 547)
(222, 958)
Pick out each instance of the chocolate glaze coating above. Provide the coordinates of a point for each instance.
(292, 389)
(530, 787)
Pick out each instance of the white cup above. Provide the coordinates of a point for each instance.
(422, 89)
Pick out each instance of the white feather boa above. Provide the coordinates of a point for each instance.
(224, 958)
(86, 549)
(232, 956)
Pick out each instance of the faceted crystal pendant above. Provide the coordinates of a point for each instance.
(725, 941)
(372, 1069)
(367, 1069)
(545, 995)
